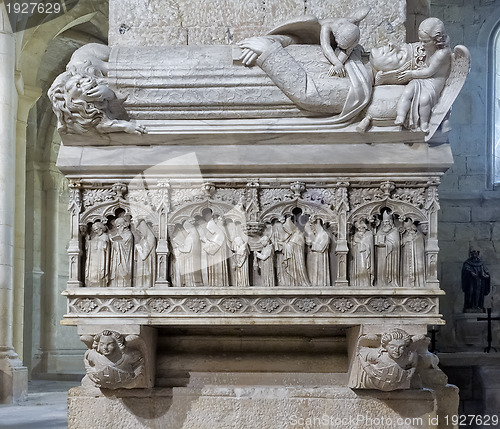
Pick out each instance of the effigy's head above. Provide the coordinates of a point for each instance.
(389, 57)
(431, 32)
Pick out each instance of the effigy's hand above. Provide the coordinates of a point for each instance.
(253, 48)
(337, 71)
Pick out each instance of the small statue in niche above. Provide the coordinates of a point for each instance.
(240, 262)
(294, 265)
(389, 366)
(475, 283)
(97, 249)
(412, 256)
(318, 263)
(214, 245)
(265, 262)
(362, 256)
(427, 82)
(122, 251)
(187, 252)
(145, 256)
(387, 243)
(111, 363)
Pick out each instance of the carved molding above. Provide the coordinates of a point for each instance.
(257, 306)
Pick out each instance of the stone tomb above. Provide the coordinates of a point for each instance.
(254, 229)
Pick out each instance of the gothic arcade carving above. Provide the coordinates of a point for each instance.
(239, 235)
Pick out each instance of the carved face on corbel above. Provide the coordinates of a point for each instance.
(107, 346)
(396, 348)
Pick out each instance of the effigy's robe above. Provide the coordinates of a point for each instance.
(209, 82)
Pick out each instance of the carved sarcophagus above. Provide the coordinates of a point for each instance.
(197, 206)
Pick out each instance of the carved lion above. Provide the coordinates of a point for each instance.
(82, 100)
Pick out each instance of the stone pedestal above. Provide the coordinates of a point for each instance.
(474, 333)
(247, 401)
(13, 378)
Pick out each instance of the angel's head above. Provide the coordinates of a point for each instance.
(395, 342)
(109, 343)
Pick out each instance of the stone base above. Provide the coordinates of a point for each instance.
(473, 332)
(13, 378)
(202, 404)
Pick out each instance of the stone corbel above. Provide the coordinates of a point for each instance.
(119, 357)
(391, 358)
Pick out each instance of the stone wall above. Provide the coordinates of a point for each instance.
(470, 204)
(192, 22)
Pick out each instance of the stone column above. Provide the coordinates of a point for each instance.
(27, 98)
(13, 375)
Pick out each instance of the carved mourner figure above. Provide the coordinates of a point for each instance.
(388, 252)
(475, 283)
(265, 262)
(97, 248)
(294, 264)
(318, 263)
(390, 366)
(145, 257)
(111, 364)
(122, 250)
(412, 256)
(187, 252)
(362, 255)
(214, 244)
(240, 262)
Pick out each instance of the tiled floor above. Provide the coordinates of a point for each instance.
(44, 408)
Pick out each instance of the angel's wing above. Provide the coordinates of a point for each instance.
(460, 66)
(369, 340)
(88, 340)
(304, 29)
(358, 15)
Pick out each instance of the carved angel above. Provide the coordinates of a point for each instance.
(432, 76)
(386, 362)
(112, 362)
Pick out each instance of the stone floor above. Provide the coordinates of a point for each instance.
(44, 408)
